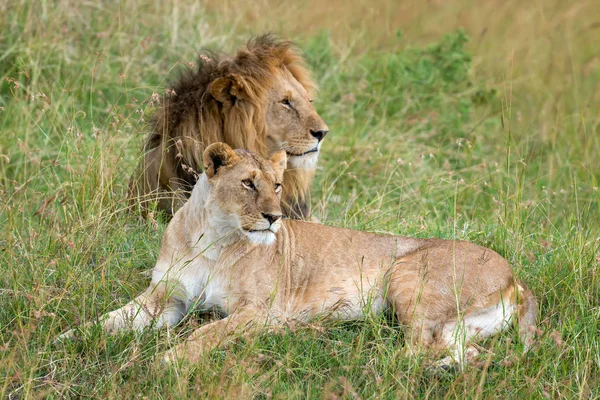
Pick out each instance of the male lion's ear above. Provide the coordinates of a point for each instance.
(229, 88)
(279, 161)
(217, 155)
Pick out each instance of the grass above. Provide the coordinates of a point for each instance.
(492, 139)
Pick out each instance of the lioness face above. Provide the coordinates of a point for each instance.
(245, 191)
(292, 122)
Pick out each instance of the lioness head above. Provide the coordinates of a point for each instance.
(245, 192)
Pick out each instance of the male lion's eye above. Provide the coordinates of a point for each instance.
(277, 187)
(248, 184)
(286, 102)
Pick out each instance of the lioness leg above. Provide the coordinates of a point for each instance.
(514, 303)
(456, 334)
(157, 305)
(430, 312)
(215, 334)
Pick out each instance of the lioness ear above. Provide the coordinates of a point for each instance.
(228, 88)
(279, 161)
(217, 155)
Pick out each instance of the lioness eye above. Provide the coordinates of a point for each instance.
(248, 184)
(277, 187)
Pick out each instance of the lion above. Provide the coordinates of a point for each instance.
(230, 248)
(259, 100)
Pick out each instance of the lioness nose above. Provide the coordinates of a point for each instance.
(319, 135)
(271, 217)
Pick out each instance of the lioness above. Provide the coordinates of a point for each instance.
(259, 99)
(229, 247)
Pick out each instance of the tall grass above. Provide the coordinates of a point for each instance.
(488, 134)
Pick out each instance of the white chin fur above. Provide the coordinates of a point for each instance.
(261, 237)
(307, 161)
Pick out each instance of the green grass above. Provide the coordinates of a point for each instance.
(427, 139)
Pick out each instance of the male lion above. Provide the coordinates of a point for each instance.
(259, 100)
(228, 247)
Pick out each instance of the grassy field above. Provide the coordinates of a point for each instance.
(459, 119)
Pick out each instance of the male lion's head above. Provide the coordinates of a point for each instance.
(245, 192)
(258, 99)
(267, 83)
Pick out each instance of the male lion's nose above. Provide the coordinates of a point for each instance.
(319, 135)
(271, 217)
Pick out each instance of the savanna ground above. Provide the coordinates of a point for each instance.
(495, 140)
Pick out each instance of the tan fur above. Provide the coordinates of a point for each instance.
(446, 293)
(236, 100)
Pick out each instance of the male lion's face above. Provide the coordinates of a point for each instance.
(245, 192)
(292, 122)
